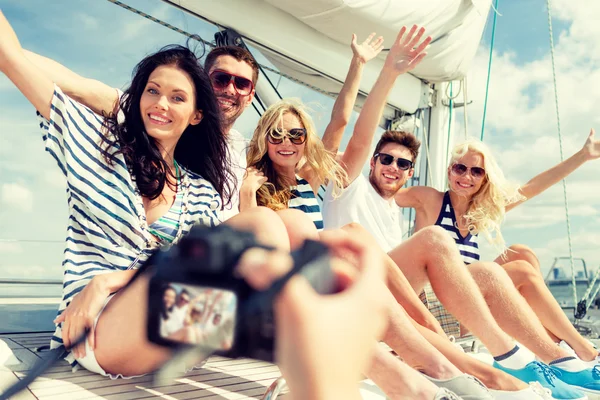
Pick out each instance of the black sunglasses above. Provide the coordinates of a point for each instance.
(387, 159)
(461, 169)
(296, 136)
(221, 79)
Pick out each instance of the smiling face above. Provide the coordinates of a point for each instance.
(231, 102)
(388, 179)
(169, 298)
(466, 185)
(286, 154)
(168, 105)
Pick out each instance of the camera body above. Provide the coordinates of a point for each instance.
(223, 313)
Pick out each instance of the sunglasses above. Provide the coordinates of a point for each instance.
(387, 159)
(296, 136)
(221, 79)
(461, 169)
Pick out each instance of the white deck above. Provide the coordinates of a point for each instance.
(219, 378)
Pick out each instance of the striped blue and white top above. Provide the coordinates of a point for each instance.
(303, 199)
(468, 245)
(107, 229)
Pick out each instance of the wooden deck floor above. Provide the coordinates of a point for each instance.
(220, 378)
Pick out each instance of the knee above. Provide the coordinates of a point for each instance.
(298, 226)
(486, 273)
(523, 252)
(436, 237)
(522, 273)
(354, 227)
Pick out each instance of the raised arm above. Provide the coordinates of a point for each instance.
(98, 96)
(403, 57)
(342, 109)
(541, 182)
(27, 77)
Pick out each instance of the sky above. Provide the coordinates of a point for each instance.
(100, 40)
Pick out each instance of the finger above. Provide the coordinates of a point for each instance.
(400, 35)
(413, 64)
(368, 39)
(91, 338)
(353, 42)
(260, 267)
(423, 45)
(262, 181)
(592, 133)
(378, 49)
(378, 42)
(362, 251)
(59, 319)
(416, 39)
(408, 37)
(66, 327)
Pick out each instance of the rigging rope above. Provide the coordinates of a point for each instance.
(450, 105)
(212, 45)
(487, 85)
(466, 101)
(564, 182)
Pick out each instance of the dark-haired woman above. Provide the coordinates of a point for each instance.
(133, 184)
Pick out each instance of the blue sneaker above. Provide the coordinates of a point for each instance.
(536, 371)
(587, 380)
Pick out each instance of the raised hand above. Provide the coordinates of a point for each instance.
(253, 180)
(9, 44)
(403, 55)
(367, 50)
(591, 148)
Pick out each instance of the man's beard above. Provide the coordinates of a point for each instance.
(232, 113)
(383, 193)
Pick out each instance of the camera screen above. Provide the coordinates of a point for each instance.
(198, 315)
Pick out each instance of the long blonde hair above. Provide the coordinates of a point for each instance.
(276, 192)
(487, 207)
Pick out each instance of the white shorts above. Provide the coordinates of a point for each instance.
(89, 362)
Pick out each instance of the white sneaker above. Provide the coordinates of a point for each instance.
(590, 364)
(535, 391)
(445, 394)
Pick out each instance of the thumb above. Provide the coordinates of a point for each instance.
(592, 133)
(353, 39)
(59, 319)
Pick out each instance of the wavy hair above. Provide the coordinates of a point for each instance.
(202, 148)
(276, 192)
(487, 207)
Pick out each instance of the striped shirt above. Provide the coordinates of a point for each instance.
(468, 245)
(303, 199)
(107, 229)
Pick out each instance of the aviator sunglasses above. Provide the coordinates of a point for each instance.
(387, 159)
(221, 79)
(296, 136)
(461, 169)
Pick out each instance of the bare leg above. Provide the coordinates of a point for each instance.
(512, 312)
(523, 268)
(491, 377)
(122, 346)
(397, 380)
(399, 285)
(299, 227)
(431, 255)
(409, 344)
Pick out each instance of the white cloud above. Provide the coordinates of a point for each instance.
(17, 196)
(10, 247)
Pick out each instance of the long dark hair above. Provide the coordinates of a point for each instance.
(202, 148)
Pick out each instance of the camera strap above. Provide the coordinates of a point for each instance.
(38, 369)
